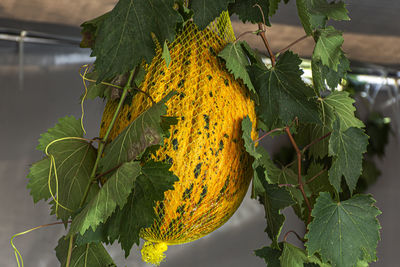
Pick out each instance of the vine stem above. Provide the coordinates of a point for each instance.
(105, 138)
(296, 234)
(264, 38)
(292, 44)
(268, 133)
(100, 151)
(245, 33)
(316, 176)
(299, 180)
(71, 242)
(315, 141)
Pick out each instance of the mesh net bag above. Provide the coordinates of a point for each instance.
(205, 147)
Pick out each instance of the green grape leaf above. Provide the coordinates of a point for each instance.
(309, 132)
(323, 75)
(138, 212)
(333, 78)
(127, 29)
(206, 11)
(304, 15)
(236, 60)
(346, 232)
(274, 199)
(74, 160)
(166, 55)
(340, 103)
(317, 179)
(328, 47)
(114, 193)
(283, 94)
(332, 10)
(315, 13)
(65, 127)
(270, 256)
(87, 255)
(249, 145)
(143, 132)
(246, 10)
(261, 158)
(292, 256)
(38, 180)
(90, 29)
(347, 148)
(90, 236)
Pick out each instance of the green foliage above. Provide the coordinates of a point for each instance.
(292, 256)
(270, 255)
(283, 94)
(145, 131)
(328, 47)
(341, 104)
(346, 232)
(127, 28)
(274, 199)
(89, 31)
(111, 194)
(236, 61)
(248, 12)
(346, 147)
(38, 180)
(83, 255)
(315, 13)
(206, 11)
(166, 55)
(65, 127)
(72, 161)
(138, 212)
(114, 193)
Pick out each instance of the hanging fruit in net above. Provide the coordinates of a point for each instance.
(205, 148)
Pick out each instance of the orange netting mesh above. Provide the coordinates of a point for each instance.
(205, 147)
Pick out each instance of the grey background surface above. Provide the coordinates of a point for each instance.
(50, 90)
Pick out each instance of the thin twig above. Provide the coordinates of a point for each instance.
(262, 12)
(145, 93)
(296, 234)
(315, 141)
(245, 33)
(109, 171)
(300, 181)
(316, 176)
(264, 38)
(292, 44)
(268, 133)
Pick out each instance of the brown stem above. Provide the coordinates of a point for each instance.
(262, 12)
(109, 171)
(316, 176)
(296, 234)
(145, 93)
(315, 141)
(300, 181)
(268, 133)
(292, 44)
(264, 38)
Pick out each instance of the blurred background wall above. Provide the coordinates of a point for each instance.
(39, 83)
